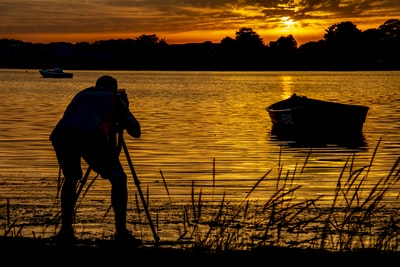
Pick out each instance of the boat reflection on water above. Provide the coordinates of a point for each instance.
(350, 140)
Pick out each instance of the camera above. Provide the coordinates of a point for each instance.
(121, 94)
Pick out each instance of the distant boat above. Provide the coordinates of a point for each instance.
(303, 116)
(55, 73)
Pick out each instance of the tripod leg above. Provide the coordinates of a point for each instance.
(137, 183)
(83, 182)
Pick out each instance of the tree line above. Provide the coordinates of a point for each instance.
(343, 47)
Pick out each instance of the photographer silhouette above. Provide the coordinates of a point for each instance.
(88, 129)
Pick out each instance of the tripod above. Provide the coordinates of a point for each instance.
(121, 143)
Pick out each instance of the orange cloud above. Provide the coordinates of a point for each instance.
(184, 21)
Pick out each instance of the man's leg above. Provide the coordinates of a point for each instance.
(113, 171)
(68, 202)
(119, 200)
(103, 158)
(68, 157)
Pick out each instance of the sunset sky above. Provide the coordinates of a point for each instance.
(185, 21)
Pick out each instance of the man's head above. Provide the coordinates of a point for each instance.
(108, 82)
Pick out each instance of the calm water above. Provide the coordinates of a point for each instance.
(190, 119)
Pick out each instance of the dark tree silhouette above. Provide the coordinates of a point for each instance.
(391, 29)
(343, 32)
(248, 49)
(284, 51)
(150, 39)
(342, 43)
(343, 47)
(286, 44)
(248, 38)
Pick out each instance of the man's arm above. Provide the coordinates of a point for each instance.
(128, 120)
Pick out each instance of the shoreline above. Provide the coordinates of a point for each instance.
(43, 251)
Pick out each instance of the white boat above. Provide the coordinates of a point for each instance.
(55, 73)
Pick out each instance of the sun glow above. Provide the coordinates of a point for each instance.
(287, 21)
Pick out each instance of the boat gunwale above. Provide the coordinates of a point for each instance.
(309, 102)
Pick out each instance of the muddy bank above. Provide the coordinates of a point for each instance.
(43, 252)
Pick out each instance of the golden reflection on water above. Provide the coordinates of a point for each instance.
(188, 120)
(287, 86)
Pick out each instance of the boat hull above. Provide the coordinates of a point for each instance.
(299, 115)
(46, 73)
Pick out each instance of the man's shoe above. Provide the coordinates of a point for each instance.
(127, 239)
(65, 239)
